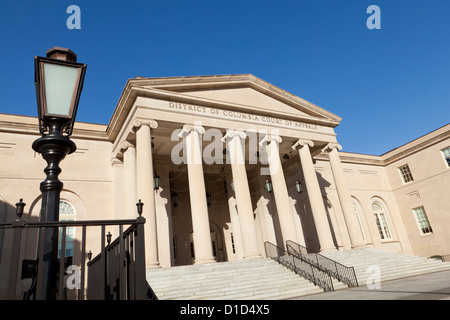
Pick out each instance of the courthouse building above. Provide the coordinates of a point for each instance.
(237, 162)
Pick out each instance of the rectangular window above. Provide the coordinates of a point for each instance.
(422, 220)
(446, 154)
(406, 173)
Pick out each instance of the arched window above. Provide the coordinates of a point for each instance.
(380, 218)
(67, 213)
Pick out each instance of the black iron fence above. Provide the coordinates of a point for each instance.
(335, 269)
(306, 270)
(117, 272)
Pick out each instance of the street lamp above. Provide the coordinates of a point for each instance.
(59, 81)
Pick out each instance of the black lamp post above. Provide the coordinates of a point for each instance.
(59, 81)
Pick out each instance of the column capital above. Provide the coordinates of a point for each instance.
(124, 145)
(301, 143)
(230, 134)
(115, 162)
(330, 146)
(187, 128)
(137, 123)
(270, 138)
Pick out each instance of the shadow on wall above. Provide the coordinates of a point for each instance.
(304, 209)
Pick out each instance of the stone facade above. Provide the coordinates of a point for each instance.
(229, 136)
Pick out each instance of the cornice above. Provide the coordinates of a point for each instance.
(29, 126)
(417, 145)
(355, 158)
(397, 154)
(134, 91)
(179, 84)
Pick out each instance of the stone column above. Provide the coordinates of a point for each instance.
(117, 166)
(344, 196)
(197, 194)
(145, 187)
(236, 146)
(315, 196)
(282, 200)
(130, 193)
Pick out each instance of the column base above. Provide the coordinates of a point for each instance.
(329, 249)
(205, 261)
(253, 256)
(154, 265)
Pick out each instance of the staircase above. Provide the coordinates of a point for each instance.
(264, 278)
(391, 265)
(255, 279)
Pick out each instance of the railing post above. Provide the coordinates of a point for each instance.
(81, 295)
(15, 250)
(102, 275)
(141, 281)
(61, 264)
(122, 264)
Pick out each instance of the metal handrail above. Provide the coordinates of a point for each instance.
(335, 269)
(303, 268)
(134, 234)
(118, 271)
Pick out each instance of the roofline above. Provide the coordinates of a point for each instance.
(256, 82)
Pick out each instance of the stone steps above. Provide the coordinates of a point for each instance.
(247, 279)
(391, 265)
(263, 278)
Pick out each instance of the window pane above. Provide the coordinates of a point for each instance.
(385, 226)
(376, 207)
(446, 153)
(406, 173)
(422, 220)
(381, 221)
(66, 213)
(380, 230)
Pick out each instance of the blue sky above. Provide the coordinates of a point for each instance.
(390, 86)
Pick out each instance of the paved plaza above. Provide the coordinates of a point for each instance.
(432, 286)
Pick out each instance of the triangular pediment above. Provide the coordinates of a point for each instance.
(245, 93)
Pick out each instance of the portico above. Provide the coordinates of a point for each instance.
(225, 136)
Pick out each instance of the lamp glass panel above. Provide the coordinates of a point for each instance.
(60, 81)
